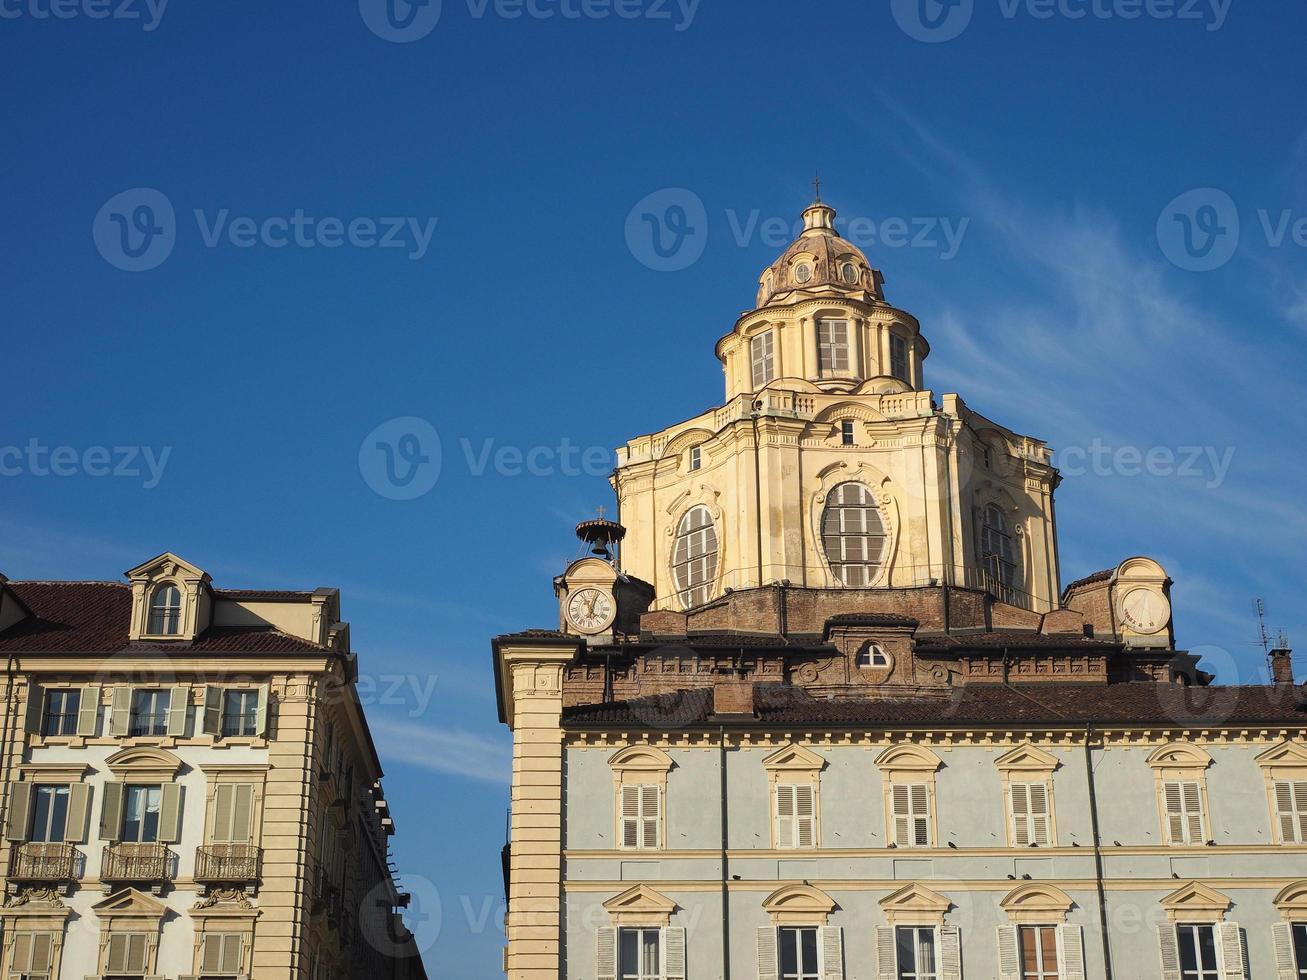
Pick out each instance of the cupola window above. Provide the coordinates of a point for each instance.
(997, 554)
(696, 458)
(850, 273)
(694, 557)
(166, 611)
(761, 352)
(853, 535)
(803, 272)
(832, 346)
(846, 432)
(898, 357)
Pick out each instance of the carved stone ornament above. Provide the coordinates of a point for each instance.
(36, 896)
(224, 896)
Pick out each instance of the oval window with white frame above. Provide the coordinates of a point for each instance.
(803, 272)
(694, 557)
(853, 535)
(850, 273)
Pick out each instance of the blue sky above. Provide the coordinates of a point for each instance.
(527, 316)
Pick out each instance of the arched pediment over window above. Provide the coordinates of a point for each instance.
(1180, 755)
(1037, 901)
(909, 757)
(642, 758)
(144, 761)
(800, 904)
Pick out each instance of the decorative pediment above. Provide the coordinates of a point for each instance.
(1286, 755)
(1292, 900)
(684, 440)
(1196, 901)
(1037, 901)
(798, 904)
(145, 762)
(35, 909)
(640, 905)
(642, 758)
(1027, 758)
(130, 904)
(1180, 755)
(166, 565)
(794, 758)
(915, 904)
(915, 758)
(170, 600)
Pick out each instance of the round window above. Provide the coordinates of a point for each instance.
(850, 273)
(803, 272)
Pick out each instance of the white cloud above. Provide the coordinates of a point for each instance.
(449, 751)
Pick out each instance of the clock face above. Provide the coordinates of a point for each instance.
(1145, 611)
(590, 610)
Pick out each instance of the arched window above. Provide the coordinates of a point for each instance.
(694, 557)
(166, 611)
(853, 535)
(998, 556)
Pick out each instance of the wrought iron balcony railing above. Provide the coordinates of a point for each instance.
(40, 862)
(152, 863)
(228, 864)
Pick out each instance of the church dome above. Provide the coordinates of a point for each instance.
(819, 263)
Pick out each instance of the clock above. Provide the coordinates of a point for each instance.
(590, 610)
(1145, 611)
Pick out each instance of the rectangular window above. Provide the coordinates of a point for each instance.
(798, 953)
(846, 432)
(233, 813)
(49, 814)
(141, 806)
(911, 805)
(240, 713)
(222, 955)
(917, 959)
(1198, 959)
(832, 346)
(696, 458)
(796, 816)
(1291, 811)
(898, 358)
(640, 816)
(1039, 953)
(1030, 823)
(638, 955)
(33, 956)
(127, 955)
(150, 712)
(61, 709)
(1300, 948)
(1184, 811)
(763, 359)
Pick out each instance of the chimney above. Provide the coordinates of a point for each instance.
(1282, 666)
(732, 695)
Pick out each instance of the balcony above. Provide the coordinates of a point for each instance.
(57, 865)
(144, 864)
(239, 865)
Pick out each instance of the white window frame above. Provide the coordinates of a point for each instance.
(832, 347)
(795, 830)
(164, 612)
(762, 359)
(848, 433)
(855, 537)
(1188, 934)
(696, 458)
(1185, 808)
(915, 971)
(694, 572)
(796, 933)
(641, 933)
(640, 817)
(910, 808)
(900, 366)
(150, 710)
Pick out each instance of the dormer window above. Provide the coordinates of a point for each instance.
(166, 611)
(803, 272)
(761, 353)
(898, 357)
(846, 432)
(832, 346)
(850, 273)
(696, 458)
(872, 655)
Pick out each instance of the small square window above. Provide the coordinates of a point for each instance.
(846, 432)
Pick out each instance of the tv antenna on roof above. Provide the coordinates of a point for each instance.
(1261, 626)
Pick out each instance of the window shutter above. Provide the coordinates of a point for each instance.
(265, 699)
(211, 958)
(1009, 953)
(1170, 951)
(23, 951)
(950, 953)
(120, 714)
(1020, 814)
(649, 816)
(1291, 809)
(606, 954)
(630, 816)
(212, 723)
(20, 806)
(88, 711)
(920, 797)
(42, 953)
(1193, 805)
(1039, 829)
(1300, 806)
(127, 952)
(832, 953)
(902, 816)
(1282, 938)
(177, 708)
(805, 812)
(242, 817)
(35, 707)
(1175, 822)
(785, 816)
(222, 954)
(1071, 952)
(111, 813)
(170, 813)
(886, 962)
(79, 812)
(223, 805)
(1230, 939)
(767, 965)
(673, 942)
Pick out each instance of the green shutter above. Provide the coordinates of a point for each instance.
(88, 710)
(79, 810)
(35, 707)
(265, 695)
(170, 814)
(111, 813)
(120, 715)
(20, 805)
(212, 710)
(222, 807)
(178, 705)
(242, 814)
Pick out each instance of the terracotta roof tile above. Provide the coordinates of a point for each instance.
(1102, 576)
